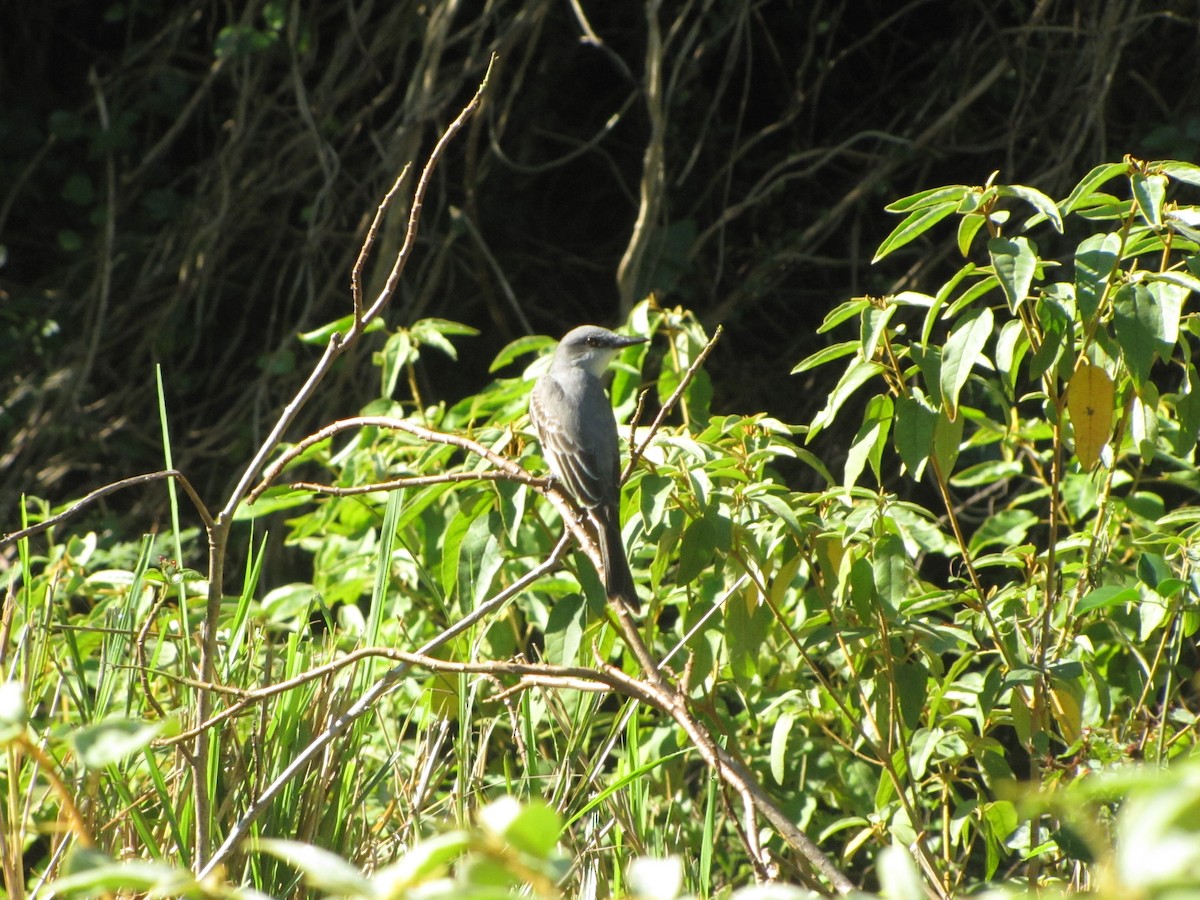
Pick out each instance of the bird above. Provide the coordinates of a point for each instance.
(575, 426)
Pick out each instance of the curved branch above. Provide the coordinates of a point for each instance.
(133, 481)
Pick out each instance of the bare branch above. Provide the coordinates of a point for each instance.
(133, 481)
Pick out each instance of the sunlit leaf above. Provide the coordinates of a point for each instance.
(1035, 198)
(826, 355)
(1095, 259)
(931, 197)
(1149, 191)
(112, 740)
(858, 373)
(778, 752)
(1007, 527)
(1015, 262)
(962, 351)
(1143, 424)
(1055, 324)
(1087, 186)
(532, 827)
(967, 229)
(870, 440)
(914, 225)
(843, 311)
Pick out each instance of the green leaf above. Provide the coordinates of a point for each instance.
(1095, 259)
(79, 190)
(943, 294)
(1037, 200)
(452, 540)
(912, 687)
(991, 471)
(843, 311)
(437, 332)
(914, 225)
(826, 355)
(564, 630)
(1008, 527)
(1149, 191)
(1087, 187)
(898, 875)
(870, 440)
(874, 328)
(428, 859)
(890, 570)
(1106, 597)
(1186, 221)
(696, 549)
(962, 350)
(110, 741)
(1143, 415)
(398, 351)
(321, 336)
(1055, 323)
(522, 346)
(1179, 171)
(1178, 279)
(947, 439)
(1166, 300)
(239, 41)
(1187, 411)
(89, 873)
(967, 229)
(1011, 347)
(928, 358)
(778, 752)
(1136, 323)
(531, 827)
(322, 869)
(858, 373)
(775, 505)
(930, 197)
(1015, 262)
(653, 878)
(913, 432)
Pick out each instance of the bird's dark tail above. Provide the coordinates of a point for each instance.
(618, 580)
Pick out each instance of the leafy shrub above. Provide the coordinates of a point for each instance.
(922, 677)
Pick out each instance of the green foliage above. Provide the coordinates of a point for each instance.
(1055, 637)
(941, 680)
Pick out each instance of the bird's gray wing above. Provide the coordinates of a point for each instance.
(585, 475)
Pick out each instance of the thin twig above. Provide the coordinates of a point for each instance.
(410, 481)
(369, 242)
(218, 535)
(635, 453)
(133, 481)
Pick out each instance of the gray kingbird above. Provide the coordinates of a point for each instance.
(574, 422)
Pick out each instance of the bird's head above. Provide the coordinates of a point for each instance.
(592, 348)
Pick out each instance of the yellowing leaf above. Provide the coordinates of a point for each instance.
(1065, 709)
(1090, 404)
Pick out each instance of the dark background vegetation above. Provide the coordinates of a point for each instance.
(188, 183)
